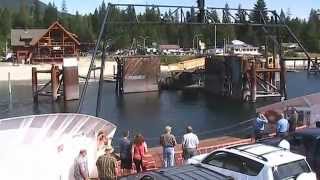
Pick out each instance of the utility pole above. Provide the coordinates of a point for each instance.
(6, 48)
(215, 37)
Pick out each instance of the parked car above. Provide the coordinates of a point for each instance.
(188, 172)
(257, 162)
(305, 142)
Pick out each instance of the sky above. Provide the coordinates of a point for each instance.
(298, 8)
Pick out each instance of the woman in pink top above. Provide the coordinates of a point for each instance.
(139, 149)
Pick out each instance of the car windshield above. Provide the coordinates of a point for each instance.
(291, 170)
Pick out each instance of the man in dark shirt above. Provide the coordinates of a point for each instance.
(106, 165)
(168, 142)
(293, 120)
(125, 154)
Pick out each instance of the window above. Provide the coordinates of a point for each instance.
(291, 170)
(302, 145)
(251, 167)
(216, 159)
(234, 163)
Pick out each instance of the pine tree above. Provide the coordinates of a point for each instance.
(242, 32)
(36, 14)
(22, 17)
(282, 17)
(226, 14)
(260, 8)
(50, 14)
(64, 8)
(240, 15)
(193, 15)
(5, 23)
(214, 16)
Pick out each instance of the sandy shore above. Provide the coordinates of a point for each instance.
(23, 72)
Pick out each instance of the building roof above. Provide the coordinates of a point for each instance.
(169, 46)
(18, 35)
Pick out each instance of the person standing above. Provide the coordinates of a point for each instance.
(138, 151)
(189, 144)
(81, 171)
(125, 154)
(282, 127)
(168, 142)
(293, 121)
(259, 126)
(106, 165)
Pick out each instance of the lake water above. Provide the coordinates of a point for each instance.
(149, 113)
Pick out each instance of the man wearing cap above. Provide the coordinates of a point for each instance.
(189, 144)
(106, 165)
(81, 171)
(168, 142)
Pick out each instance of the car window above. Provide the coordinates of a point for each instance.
(291, 170)
(216, 159)
(234, 163)
(297, 145)
(251, 167)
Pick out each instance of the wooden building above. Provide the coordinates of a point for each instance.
(44, 45)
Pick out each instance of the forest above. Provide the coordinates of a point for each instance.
(87, 26)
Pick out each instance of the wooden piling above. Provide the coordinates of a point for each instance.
(9, 85)
(34, 84)
(55, 82)
(253, 75)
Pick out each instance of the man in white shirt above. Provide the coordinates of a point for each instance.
(190, 144)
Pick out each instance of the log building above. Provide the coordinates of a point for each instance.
(50, 45)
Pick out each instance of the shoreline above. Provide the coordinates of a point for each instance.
(22, 72)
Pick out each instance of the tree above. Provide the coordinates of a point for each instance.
(64, 8)
(5, 23)
(282, 17)
(36, 14)
(50, 15)
(240, 15)
(260, 12)
(214, 16)
(193, 15)
(226, 14)
(22, 17)
(243, 32)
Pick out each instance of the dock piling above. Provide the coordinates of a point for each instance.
(35, 84)
(9, 85)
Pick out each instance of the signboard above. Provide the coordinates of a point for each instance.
(141, 74)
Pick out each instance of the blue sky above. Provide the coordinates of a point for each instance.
(299, 8)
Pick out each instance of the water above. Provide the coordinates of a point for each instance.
(149, 113)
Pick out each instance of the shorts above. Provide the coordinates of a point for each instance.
(126, 164)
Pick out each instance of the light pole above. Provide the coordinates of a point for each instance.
(144, 38)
